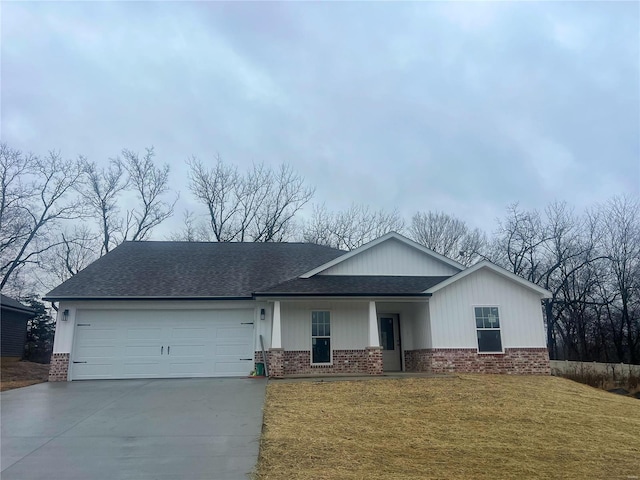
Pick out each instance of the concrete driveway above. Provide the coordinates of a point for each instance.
(132, 429)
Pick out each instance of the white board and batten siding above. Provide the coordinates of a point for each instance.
(349, 324)
(392, 257)
(453, 320)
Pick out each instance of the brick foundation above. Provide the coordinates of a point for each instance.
(276, 360)
(344, 361)
(59, 367)
(374, 361)
(298, 362)
(518, 361)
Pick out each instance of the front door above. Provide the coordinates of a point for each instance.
(390, 341)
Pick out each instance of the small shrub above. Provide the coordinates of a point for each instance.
(589, 376)
(614, 377)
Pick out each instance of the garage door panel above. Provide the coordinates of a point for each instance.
(231, 332)
(94, 370)
(228, 368)
(97, 336)
(189, 350)
(145, 334)
(237, 350)
(152, 344)
(142, 351)
(141, 369)
(188, 333)
(98, 351)
(187, 369)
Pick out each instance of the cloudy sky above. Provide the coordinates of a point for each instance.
(460, 107)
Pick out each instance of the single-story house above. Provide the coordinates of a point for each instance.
(13, 327)
(189, 309)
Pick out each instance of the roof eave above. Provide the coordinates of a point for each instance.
(496, 269)
(339, 294)
(26, 310)
(67, 298)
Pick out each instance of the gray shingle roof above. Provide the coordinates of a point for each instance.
(13, 304)
(353, 285)
(192, 269)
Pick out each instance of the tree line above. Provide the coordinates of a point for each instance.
(58, 215)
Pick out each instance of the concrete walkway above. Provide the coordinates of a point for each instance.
(132, 429)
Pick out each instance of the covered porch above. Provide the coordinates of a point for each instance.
(346, 336)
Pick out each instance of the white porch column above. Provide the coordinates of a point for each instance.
(374, 339)
(276, 333)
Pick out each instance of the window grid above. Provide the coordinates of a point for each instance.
(320, 337)
(488, 329)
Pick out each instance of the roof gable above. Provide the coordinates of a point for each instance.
(391, 254)
(485, 264)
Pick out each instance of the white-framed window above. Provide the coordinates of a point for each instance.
(320, 336)
(488, 329)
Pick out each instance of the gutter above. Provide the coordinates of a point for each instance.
(25, 310)
(66, 299)
(280, 294)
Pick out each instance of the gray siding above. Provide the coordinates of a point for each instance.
(13, 333)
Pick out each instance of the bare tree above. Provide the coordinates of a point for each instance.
(216, 188)
(107, 189)
(518, 242)
(351, 228)
(555, 251)
(621, 242)
(283, 195)
(192, 230)
(76, 250)
(101, 190)
(149, 183)
(35, 198)
(448, 236)
(258, 206)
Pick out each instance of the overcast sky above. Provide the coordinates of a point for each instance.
(457, 107)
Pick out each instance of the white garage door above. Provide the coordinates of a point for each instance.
(162, 344)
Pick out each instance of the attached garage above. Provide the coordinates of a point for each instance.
(118, 344)
(172, 309)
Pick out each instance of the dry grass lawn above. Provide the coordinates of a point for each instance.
(464, 427)
(15, 374)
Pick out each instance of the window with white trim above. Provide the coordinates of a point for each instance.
(320, 337)
(488, 329)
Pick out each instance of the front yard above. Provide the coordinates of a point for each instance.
(464, 427)
(16, 374)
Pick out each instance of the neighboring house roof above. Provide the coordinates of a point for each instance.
(8, 303)
(191, 270)
(353, 285)
(377, 241)
(485, 264)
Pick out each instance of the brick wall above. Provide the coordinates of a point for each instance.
(374, 361)
(520, 361)
(276, 362)
(59, 367)
(344, 361)
(417, 360)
